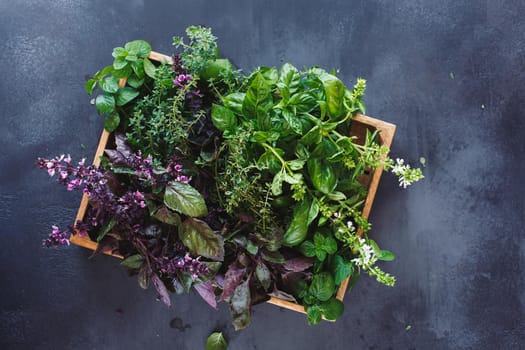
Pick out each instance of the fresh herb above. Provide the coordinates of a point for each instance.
(240, 186)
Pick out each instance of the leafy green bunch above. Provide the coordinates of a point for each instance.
(249, 186)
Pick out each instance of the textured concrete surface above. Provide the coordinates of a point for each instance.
(458, 236)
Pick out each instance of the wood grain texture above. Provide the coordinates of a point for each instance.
(360, 124)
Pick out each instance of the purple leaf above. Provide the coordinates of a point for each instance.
(279, 294)
(206, 291)
(263, 275)
(240, 306)
(298, 264)
(161, 289)
(122, 145)
(232, 279)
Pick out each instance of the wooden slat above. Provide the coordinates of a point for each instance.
(359, 126)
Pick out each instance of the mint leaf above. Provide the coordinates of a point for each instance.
(105, 103)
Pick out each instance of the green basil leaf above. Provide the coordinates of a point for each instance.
(313, 136)
(294, 122)
(289, 76)
(223, 118)
(269, 161)
(307, 248)
(386, 255)
(298, 228)
(112, 122)
(140, 48)
(201, 239)
(109, 84)
(105, 103)
(215, 69)
(185, 199)
(258, 101)
(149, 68)
(322, 175)
(296, 164)
(340, 269)
(313, 212)
(216, 341)
(125, 95)
(133, 262)
(234, 102)
(313, 314)
(335, 92)
(322, 286)
(277, 183)
(119, 63)
(332, 309)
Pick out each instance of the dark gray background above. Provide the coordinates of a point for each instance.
(458, 235)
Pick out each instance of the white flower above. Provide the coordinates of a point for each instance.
(337, 215)
(366, 254)
(350, 226)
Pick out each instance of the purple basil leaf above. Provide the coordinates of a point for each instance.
(201, 239)
(232, 279)
(106, 244)
(161, 289)
(115, 156)
(279, 294)
(206, 291)
(165, 215)
(143, 277)
(298, 264)
(240, 306)
(263, 275)
(122, 146)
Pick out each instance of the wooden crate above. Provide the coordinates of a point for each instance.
(360, 124)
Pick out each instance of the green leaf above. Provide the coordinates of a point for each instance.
(135, 82)
(298, 228)
(313, 136)
(105, 103)
(289, 76)
(112, 122)
(119, 63)
(340, 269)
(296, 164)
(322, 175)
(131, 58)
(109, 84)
(234, 102)
(386, 255)
(201, 239)
(320, 254)
(277, 183)
(106, 229)
(322, 286)
(216, 341)
(119, 52)
(125, 95)
(215, 69)
(335, 92)
(90, 86)
(330, 245)
(240, 306)
(307, 248)
(133, 262)
(149, 68)
(122, 73)
(332, 309)
(294, 122)
(263, 275)
(138, 69)
(140, 48)
(185, 199)
(223, 118)
(258, 101)
(313, 314)
(269, 161)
